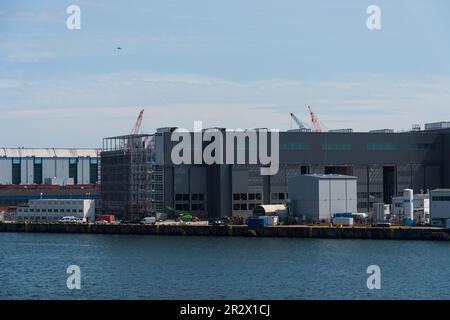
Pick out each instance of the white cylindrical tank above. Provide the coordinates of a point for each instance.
(408, 206)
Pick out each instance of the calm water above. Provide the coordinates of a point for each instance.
(33, 266)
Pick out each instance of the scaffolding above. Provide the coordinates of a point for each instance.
(131, 181)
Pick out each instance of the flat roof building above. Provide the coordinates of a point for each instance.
(28, 166)
(384, 164)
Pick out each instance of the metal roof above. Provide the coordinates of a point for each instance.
(47, 152)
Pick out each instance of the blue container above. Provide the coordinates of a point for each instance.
(258, 222)
(409, 222)
(343, 215)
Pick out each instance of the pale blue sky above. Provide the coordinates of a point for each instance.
(234, 63)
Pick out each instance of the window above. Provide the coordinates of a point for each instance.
(178, 206)
(381, 146)
(74, 210)
(178, 197)
(251, 206)
(185, 196)
(294, 146)
(281, 196)
(185, 207)
(236, 196)
(441, 198)
(37, 171)
(201, 197)
(80, 210)
(236, 207)
(243, 206)
(243, 196)
(274, 196)
(336, 146)
(422, 146)
(258, 196)
(93, 170)
(194, 197)
(16, 171)
(201, 206)
(194, 207)
(73, 169)
(251, 196)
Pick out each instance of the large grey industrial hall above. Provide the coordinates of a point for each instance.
(138, 175)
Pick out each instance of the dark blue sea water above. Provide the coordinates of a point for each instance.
(33, 266)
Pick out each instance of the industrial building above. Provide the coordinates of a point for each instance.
(23, 166)
(383, 162)
(318, 197)
(439, 206)
(54, 209)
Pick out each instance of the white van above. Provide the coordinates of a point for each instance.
(148, 220)
(68, 219)
(81, 220)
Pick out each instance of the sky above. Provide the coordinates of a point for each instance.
(233, 64)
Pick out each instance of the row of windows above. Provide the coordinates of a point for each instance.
(336, 146)
(294, 146)
(440, 198)
(59, 203)
(244, 206)
(246, 196)
(381, 146)
(51, 210)
(37, 218)
(279, 196)
(348, 146)
(192, 197)
(192, 207)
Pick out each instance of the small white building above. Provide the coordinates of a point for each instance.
(51, 210)
(439, 207)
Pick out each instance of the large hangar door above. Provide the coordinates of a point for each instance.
(388, 184)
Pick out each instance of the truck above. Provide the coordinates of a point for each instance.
(109, 218)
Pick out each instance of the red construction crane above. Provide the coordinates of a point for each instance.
(315, 121)
(137, 126)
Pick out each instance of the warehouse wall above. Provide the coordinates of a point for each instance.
(5, 170)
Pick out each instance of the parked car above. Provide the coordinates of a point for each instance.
(68, 219)
(101, 222)
(80, 220)
(148, 220)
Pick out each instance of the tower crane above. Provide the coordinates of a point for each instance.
(137, 125)
(301, 125)
(315, 121)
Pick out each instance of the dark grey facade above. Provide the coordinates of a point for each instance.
(384, 164)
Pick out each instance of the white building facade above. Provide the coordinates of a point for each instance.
(25, 166)
(439, 207)
(51, 210)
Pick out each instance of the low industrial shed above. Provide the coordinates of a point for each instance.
(317, 197)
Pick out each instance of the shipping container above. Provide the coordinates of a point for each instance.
(258, 222)
(343, 215)
(342, 221)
